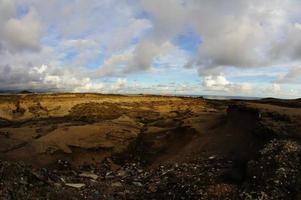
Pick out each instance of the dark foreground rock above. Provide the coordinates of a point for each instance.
(273, 175)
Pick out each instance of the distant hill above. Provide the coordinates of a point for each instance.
(25, 92)
(293, 103)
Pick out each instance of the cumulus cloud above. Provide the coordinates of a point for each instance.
(135, 60)
(82, 50)
(236, 33)
(112, 65)
(293, 74)
(22, 33)
(120, 83)
(88, 86)
(275, 88)
(58, 79)
(81, 43)
(220, 83)
(288, 48)
(215, 82)
(272, 90)
(144, 55)
(7, 10)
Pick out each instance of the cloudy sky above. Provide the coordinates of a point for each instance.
(234, 47)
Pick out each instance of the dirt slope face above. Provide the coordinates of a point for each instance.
(83, 128)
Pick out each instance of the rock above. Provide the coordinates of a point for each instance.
(211, 157)
(58, 185)
(89, 175)
(75, 185)
(97, 193)
(152, 188)
(116, 184)
(121, 173)
(5, 133)
(137, 184)
(36, 136)
(109, 175)
(63, 164)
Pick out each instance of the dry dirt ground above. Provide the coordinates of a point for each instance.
(91, 146)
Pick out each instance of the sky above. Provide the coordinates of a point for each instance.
(180, 47)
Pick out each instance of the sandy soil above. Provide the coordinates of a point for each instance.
(49, 127)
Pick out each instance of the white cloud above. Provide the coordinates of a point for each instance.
(292, 75)
(139, 59)
(236, 33)
(275, 88)
(40, 69)
(289, 47)
(145, 53)
(220, 83)
(112, 65)
(215, 82)
(84, 51)
(7, 10)
(122, 38)
(23, 33)
(119, 84)
(88, 86)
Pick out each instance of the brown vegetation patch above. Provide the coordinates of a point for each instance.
(96, 111)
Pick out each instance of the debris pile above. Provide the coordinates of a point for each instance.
(275, 173)
(195, 180)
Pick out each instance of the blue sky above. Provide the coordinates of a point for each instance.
(240, 48)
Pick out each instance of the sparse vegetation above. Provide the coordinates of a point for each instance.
(96, 111)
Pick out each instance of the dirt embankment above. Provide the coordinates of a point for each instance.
(52, 127)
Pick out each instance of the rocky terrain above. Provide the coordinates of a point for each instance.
(92, 146)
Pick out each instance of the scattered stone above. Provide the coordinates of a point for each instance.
(116, 184)
(75, 185)
(5, 133)
(138, 184)
(121, 173)
(152, 188)
(89, 175)
(211, 157)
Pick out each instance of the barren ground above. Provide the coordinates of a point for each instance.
(90, 146)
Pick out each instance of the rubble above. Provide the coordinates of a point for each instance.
(89, 175)
(4, 133)
(76, 185)
(273, 174)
